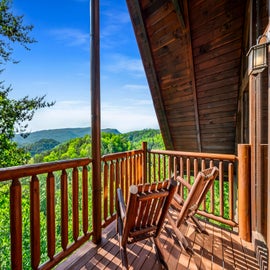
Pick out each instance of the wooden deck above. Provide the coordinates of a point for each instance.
(220, 249)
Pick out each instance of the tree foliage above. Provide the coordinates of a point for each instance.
(12, 30)
(111, 143)
(151, 136)
(14, 117)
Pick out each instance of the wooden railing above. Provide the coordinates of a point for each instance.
(60, 193)
(64, 230)
(220, 203)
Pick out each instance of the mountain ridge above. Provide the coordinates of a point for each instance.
(60, 135)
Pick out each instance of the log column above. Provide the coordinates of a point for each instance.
(95, 115)
(244, 195)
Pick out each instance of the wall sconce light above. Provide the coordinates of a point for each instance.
(257, 56)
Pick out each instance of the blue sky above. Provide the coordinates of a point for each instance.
(58, 66)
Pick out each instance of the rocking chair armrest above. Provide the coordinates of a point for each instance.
(121, 204)
(178, 199)
(182, 181)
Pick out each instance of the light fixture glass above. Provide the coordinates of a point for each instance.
(257, 58)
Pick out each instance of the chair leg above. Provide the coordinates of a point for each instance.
(181, 238)
(158, 248)
(200, 228)
(123, 253)
(123, 248)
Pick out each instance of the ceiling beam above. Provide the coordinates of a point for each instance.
(193, 77)
(179, 11)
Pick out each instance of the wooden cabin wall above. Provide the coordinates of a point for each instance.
(191, 51)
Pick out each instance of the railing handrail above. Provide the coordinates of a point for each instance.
(228, 157)
(15, 172)
(118, 155)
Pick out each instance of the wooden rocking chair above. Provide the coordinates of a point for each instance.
(184, 209)
(144, 214)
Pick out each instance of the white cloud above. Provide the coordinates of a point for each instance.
(136, 87)
(113, 21)
(137, 115)
(119, 63)
(63, 114)
(128, 118)
(71, 36)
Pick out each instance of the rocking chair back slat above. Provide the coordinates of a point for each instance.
(145, 213)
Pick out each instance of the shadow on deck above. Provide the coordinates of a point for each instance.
(221, 249)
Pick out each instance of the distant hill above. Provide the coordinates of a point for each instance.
(82, 147)
(59, 135)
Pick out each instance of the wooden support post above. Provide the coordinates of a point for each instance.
(268, 162)
(244, 196)
(264, 187)
(95, 115)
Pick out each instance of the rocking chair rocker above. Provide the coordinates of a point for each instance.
(185, 209)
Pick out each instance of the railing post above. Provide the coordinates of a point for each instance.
(244, 196)
(144, 167)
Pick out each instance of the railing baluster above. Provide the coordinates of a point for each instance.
(212, 191)
(35, 222)
(158, 168)
(203, 165)
(169, 167)
(130, 174)
(221, 189)
(181, 167)
(122, 175)
(154, 168)
(64, 210)
(75, 203)
(50, 215)
(149, 157)
(126, 178)
(141, 168)
(85, 199)
(164, 166)
(195, 167)
(135, 169)
(105, 191)
(231, 189)
(112, 188)
(16, 224)
(175, 160)
(117, 182)
(188, 170)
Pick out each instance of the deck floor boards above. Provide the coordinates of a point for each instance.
(220, 249)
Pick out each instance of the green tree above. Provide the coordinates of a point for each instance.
(12, 30)
(111, 143)
(14, 117)
(14, 114)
